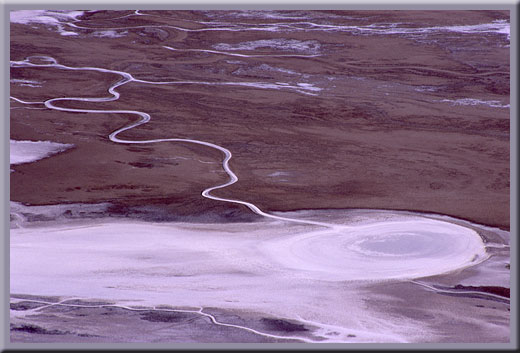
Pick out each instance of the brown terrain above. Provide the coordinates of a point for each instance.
(358, 111)
(377, 135)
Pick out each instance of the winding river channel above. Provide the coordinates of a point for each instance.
(272, 266)
(429, 238)
(409, 247)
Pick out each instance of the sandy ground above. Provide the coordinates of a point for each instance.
(342, 114)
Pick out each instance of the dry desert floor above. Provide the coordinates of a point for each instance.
(259, 176)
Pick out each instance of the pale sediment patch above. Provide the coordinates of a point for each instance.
(471, 101)
(30, 151)
(309, 46)
(29, 83)
(279, 69)
(501, 27)
(380, 251)
(304, 88)
(238, 54)
(284, 269)
(109, 34)
(54, 18)
(498, 27)
(260, 69)
(261, 14)
(236, 62)
(299, 87)
(32, 216)
(426, 89)
(276, 174)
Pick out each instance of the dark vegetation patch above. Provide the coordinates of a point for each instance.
(503, 292)
(282, 325)
(25, 305)
(31, 217)
(36, 297)
(86, 302)
(37, 330)
(87, 335)
(141, 165)
(163, 316)
(161, 210)
(139, 149)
